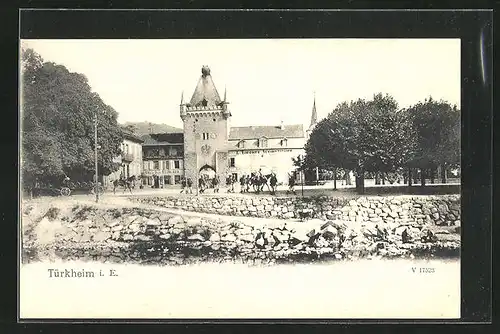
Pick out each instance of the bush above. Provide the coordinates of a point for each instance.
(52, 213)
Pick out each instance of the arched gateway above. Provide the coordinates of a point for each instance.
(207, 170)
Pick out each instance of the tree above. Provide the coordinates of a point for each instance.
(363, 136)
(437, 128)
(58, 109)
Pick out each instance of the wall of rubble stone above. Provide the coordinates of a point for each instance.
(148, 236)
(439, 210)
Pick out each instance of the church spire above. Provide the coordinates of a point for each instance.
(225, 91)
(314, 115)
(182, 98)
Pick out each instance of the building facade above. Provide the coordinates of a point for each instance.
(265, 148)
(130, 159)
(163, 159)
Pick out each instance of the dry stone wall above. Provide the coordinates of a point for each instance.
(387, 229)
(437, 210)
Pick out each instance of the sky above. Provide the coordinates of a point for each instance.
(267, 80)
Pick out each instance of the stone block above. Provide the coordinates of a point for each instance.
(196, 237)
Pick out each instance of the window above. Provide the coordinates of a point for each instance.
(241, 144)
(156, 165)
(146, 165)
(173, 151)
(284, 142)
(167, 164)
(206, 135)
(177, 179)
(204, 102)
(262, 142)
(231, 162)
(177, 164)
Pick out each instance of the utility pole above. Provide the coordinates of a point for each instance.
(317, 176)
(302, 176)
(196, 181)
(96, 186)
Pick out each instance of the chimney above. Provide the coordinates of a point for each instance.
(282, 127)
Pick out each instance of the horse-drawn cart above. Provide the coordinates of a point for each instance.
(86, 187)
(66, 187)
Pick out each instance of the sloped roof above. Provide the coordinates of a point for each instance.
(131, 136)
(255, 132)
(205, 90)
(163, 138)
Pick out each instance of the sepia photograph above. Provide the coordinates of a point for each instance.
(240, 178)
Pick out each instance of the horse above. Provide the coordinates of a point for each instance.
(125, 183)
(259, 181)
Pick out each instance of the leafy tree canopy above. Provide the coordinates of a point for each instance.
(373, 135)
(437, 133)
(57, 110)
(377, 136)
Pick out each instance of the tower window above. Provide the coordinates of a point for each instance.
(206, 135)
(231, 162)
(204, 102)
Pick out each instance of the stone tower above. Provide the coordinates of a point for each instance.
(206, 130)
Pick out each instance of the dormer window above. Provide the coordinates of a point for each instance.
(241, 144)
(262, 142)
(284, 142)
(204, 102)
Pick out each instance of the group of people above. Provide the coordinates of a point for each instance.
(187, 183)
(246, 181)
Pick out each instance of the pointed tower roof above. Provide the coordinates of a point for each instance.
(314, 115)
(205, 93)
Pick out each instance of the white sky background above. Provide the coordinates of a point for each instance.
(267, 80)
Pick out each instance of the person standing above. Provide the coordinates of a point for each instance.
(216, 182)
(233, 181)
(242, 183)
(183, 184)
(189, 186)
(291, 183)
(273, 182)
(201, 185)
(247, 183)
